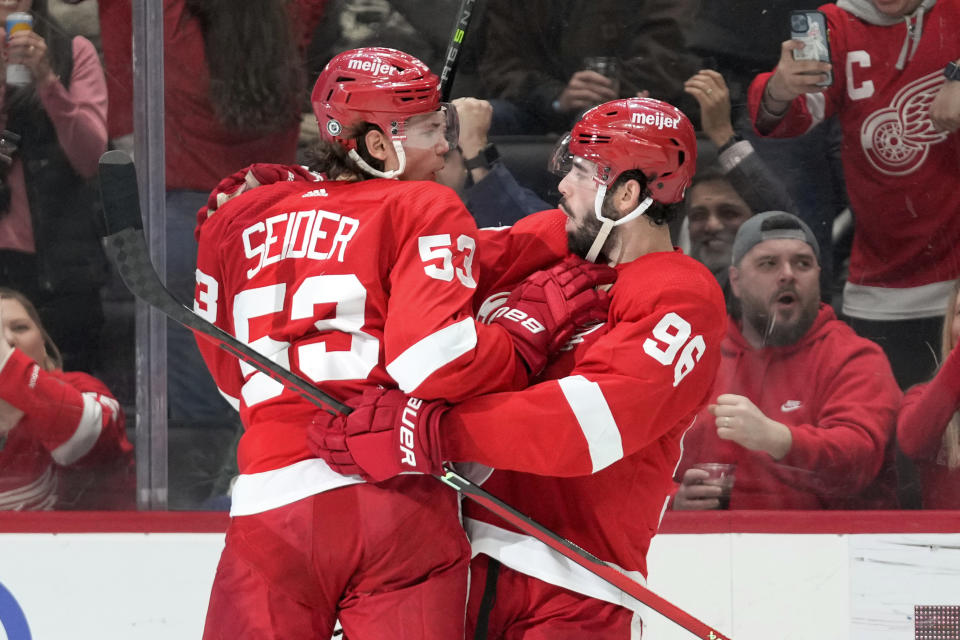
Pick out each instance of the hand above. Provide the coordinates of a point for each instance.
(387, 433)
(251, 177)
(793, 78)
(945, 108)
(586, 89)
(693, 494)
(710, 90)
(29, 49)
(544, 310)
(475, 117)
(740, 421)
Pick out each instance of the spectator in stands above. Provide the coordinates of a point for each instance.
(727, 192)
(235, 84)
(928, 429)
(62, 438)
(474, 170)
(899, 117)
(55, 130)
(803, 406)
(540, 81)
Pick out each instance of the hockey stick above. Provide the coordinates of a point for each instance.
(126, 247)
(452, 60)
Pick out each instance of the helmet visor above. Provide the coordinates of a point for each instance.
(566, 165)
(427, 130)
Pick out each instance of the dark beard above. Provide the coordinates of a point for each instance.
(581, 238)
(779, 335)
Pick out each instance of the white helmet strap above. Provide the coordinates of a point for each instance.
(363, 164)
(608, 224)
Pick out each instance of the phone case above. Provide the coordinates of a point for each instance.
(810, 27)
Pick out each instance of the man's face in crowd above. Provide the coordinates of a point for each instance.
(778, 285)
(896, 8)
(579, 190)
(715, 211)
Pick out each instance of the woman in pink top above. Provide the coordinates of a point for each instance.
(928, 429)
(54, 133)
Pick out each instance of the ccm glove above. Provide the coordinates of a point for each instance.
(545, 309)
(386, 434)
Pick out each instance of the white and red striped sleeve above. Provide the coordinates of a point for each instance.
(648, 374)
(72, 415)
(433, 347)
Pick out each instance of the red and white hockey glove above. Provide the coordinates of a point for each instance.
(387, 433)
(251, 177)
(544, 310)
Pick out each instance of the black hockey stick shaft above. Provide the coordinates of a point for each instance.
(452, 59)
(126, 248)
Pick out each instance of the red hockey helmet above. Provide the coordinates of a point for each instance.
(639, 133)
(372, 84)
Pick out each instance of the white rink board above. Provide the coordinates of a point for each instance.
(136, 586)
(110, 586)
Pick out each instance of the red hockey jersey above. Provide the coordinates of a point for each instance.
(69, 450)
(899, 170)
(350, 284)
(590, 450)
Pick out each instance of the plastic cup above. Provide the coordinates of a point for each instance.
(721, 475)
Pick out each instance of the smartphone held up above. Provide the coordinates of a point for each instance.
(810, 28)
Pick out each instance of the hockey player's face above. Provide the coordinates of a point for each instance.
(715, 211)
(20, 331)
(778, 285)
(579, 190)
(425, 145)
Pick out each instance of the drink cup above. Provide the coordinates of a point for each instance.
(18, 75)
(720, 475)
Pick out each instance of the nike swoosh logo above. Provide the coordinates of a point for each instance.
(790, 405)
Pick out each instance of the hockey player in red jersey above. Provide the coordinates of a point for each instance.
(589, 449)
(352, 281)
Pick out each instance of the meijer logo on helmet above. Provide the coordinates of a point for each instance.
(376, 68)
(659, 120)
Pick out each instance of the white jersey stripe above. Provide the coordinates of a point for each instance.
(596, 421)
(817, 106)
(86, 435)
(440, 348)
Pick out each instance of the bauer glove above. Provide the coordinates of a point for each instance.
(386, 434)
(544, 310)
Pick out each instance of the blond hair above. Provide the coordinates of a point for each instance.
(53, 358)
(949, 453)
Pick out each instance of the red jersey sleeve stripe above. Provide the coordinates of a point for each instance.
(438, 349)
(595, 420)
(85, 436)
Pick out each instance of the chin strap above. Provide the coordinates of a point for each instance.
(608, 224)
(401, 158)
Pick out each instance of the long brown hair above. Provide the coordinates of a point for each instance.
(949, 454)
(257, 75)
(54, 359)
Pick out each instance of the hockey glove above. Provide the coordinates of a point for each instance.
(251, 177)
(545, 309)
(387, 433)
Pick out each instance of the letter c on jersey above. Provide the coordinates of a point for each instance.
(11, 617)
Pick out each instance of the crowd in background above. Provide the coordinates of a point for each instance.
(853, 405)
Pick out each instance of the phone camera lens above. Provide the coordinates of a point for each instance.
(799, 23)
